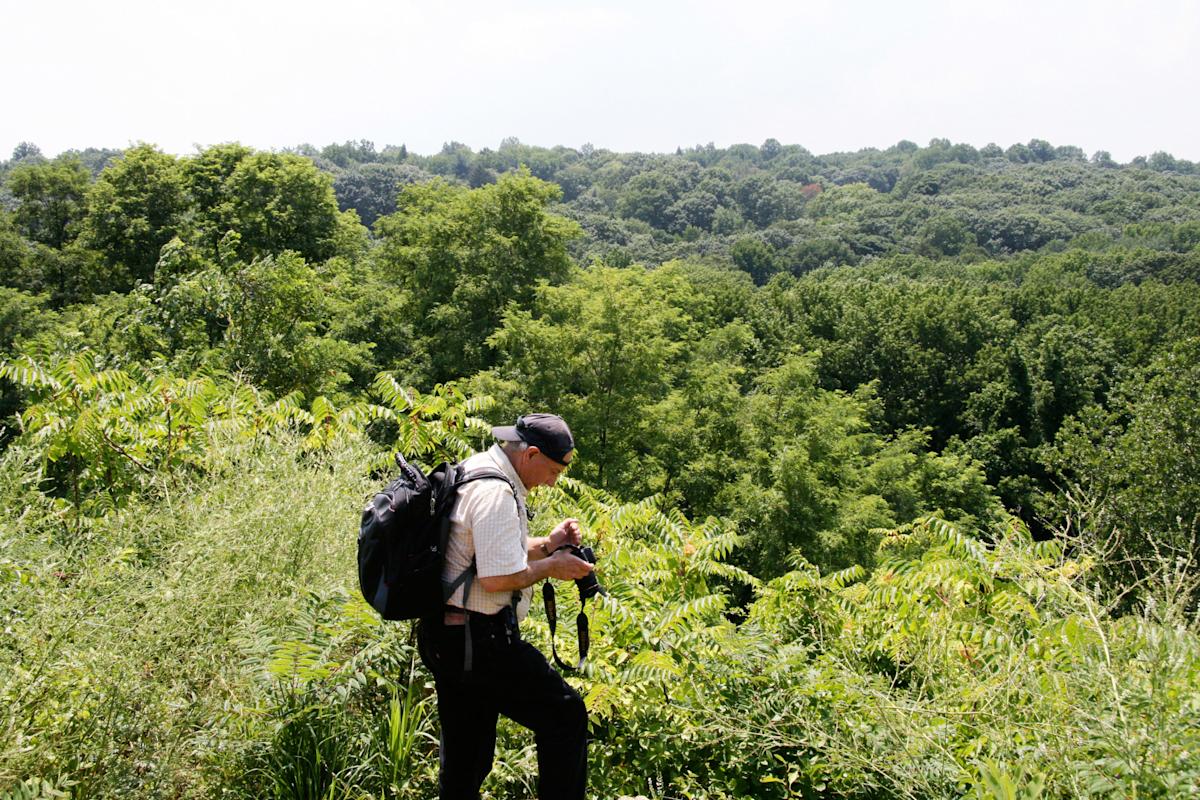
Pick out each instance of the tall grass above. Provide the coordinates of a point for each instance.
(134, 653)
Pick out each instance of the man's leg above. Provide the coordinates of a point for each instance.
(539, 699)
(468, 741)
(466, 712)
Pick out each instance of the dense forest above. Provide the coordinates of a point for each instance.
(891, 459)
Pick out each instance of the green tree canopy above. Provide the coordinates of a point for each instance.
(464, 255)
(278, 202)
(136, 206)
(50, 199)
(599, 350)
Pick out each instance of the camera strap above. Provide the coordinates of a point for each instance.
(581, 625)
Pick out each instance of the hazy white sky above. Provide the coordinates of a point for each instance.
(629, 75)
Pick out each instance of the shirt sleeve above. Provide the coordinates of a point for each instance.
(489, 509)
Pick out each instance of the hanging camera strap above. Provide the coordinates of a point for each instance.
(581, 624)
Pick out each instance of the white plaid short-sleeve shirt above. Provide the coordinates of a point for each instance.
(488, 524)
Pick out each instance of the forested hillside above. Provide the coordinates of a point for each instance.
(891, 459)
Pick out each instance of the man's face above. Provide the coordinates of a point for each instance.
(542, 469)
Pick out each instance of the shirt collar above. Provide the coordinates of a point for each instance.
(501, 458)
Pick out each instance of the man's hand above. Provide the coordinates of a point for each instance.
(566, 567)
(561, 565)
(566, 532)
(545, 563)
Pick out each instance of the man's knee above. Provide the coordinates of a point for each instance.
(574, 712)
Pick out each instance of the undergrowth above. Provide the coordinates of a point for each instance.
(205, 639)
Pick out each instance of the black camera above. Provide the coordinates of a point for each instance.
(588, 585)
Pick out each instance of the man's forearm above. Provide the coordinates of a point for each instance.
(536, 571)
(539, 547)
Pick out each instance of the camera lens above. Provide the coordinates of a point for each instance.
(588, 585)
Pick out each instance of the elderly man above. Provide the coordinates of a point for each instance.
(491, 671)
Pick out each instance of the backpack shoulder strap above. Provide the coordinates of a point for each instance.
(466, 476)
(462, 478)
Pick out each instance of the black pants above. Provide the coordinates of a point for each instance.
(508, 677)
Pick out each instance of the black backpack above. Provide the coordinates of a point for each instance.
(403, 537)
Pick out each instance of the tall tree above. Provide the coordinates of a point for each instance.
(135, 207)
(600, 350)
(1134, 472)
(50, 199)
(465, 255)
(280, 202)
(205, 176)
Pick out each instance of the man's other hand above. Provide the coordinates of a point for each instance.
(566, 532)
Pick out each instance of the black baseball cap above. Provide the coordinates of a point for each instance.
(547, 432)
